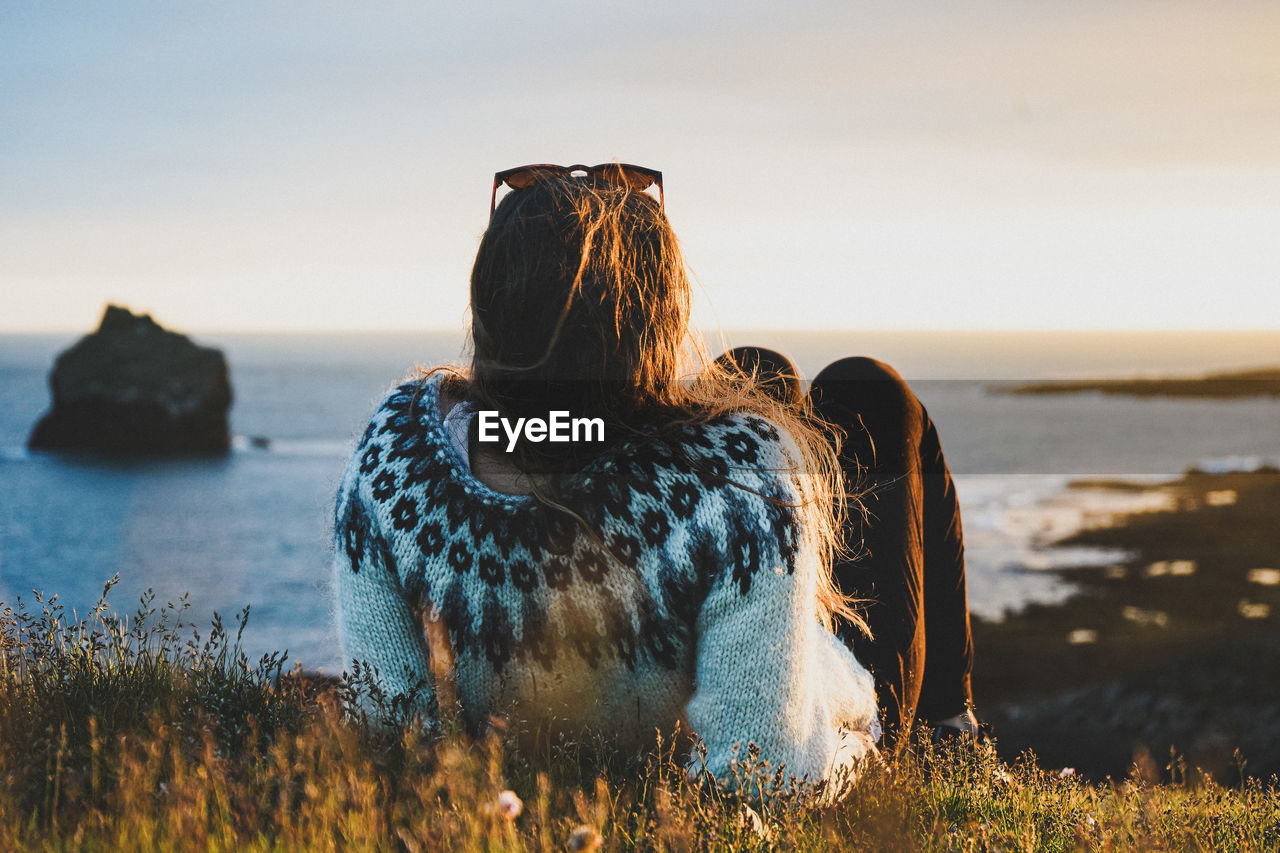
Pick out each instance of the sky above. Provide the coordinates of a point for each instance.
(827, 165)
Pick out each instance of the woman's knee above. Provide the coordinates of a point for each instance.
(776, 373)
(861, 393)
(861, 368)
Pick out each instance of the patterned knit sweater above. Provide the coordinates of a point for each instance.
(702, 610)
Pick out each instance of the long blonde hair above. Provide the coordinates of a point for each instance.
(580, 301)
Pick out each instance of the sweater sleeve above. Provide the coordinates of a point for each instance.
(376, 625)
(767, 672)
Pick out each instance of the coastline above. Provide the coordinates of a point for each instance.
(1173, 646)
(1263, 382)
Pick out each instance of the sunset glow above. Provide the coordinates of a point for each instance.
(878, 166)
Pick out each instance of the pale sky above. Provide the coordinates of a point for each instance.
(862, 165)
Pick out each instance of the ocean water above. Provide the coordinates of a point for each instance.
(254, 527)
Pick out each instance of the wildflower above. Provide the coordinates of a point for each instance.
(585, 839)
(510, 805)
(749, 819)
(1065, 772)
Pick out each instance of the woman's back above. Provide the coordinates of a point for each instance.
(674, 579)
(677, 569)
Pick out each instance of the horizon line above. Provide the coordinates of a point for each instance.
(419, 330)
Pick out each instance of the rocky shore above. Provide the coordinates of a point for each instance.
(1177, 647)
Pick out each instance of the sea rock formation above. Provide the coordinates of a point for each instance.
(133, 387)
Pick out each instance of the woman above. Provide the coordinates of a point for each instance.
(678, 570)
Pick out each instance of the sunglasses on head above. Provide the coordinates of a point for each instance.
(636, 178)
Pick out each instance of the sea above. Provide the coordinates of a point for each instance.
(254, 527)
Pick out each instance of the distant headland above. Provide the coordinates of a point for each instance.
(1262, 382)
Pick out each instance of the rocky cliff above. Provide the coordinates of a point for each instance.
(133, 387)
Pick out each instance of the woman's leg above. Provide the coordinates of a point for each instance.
(909, 560)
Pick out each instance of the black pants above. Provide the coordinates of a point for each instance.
(908, 567)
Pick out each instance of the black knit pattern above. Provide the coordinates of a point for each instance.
(491, 565)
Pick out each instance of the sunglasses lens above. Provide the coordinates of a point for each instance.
(526, 178)
(624, 176)
(638, 180)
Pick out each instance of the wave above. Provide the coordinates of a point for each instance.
(14, 453)
(1011, 525)
(1236, 464)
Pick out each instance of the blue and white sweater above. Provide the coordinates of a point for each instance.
(707, 616)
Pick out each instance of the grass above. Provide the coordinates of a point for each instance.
(135, 734)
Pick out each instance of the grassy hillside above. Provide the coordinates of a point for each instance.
(130, 735)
